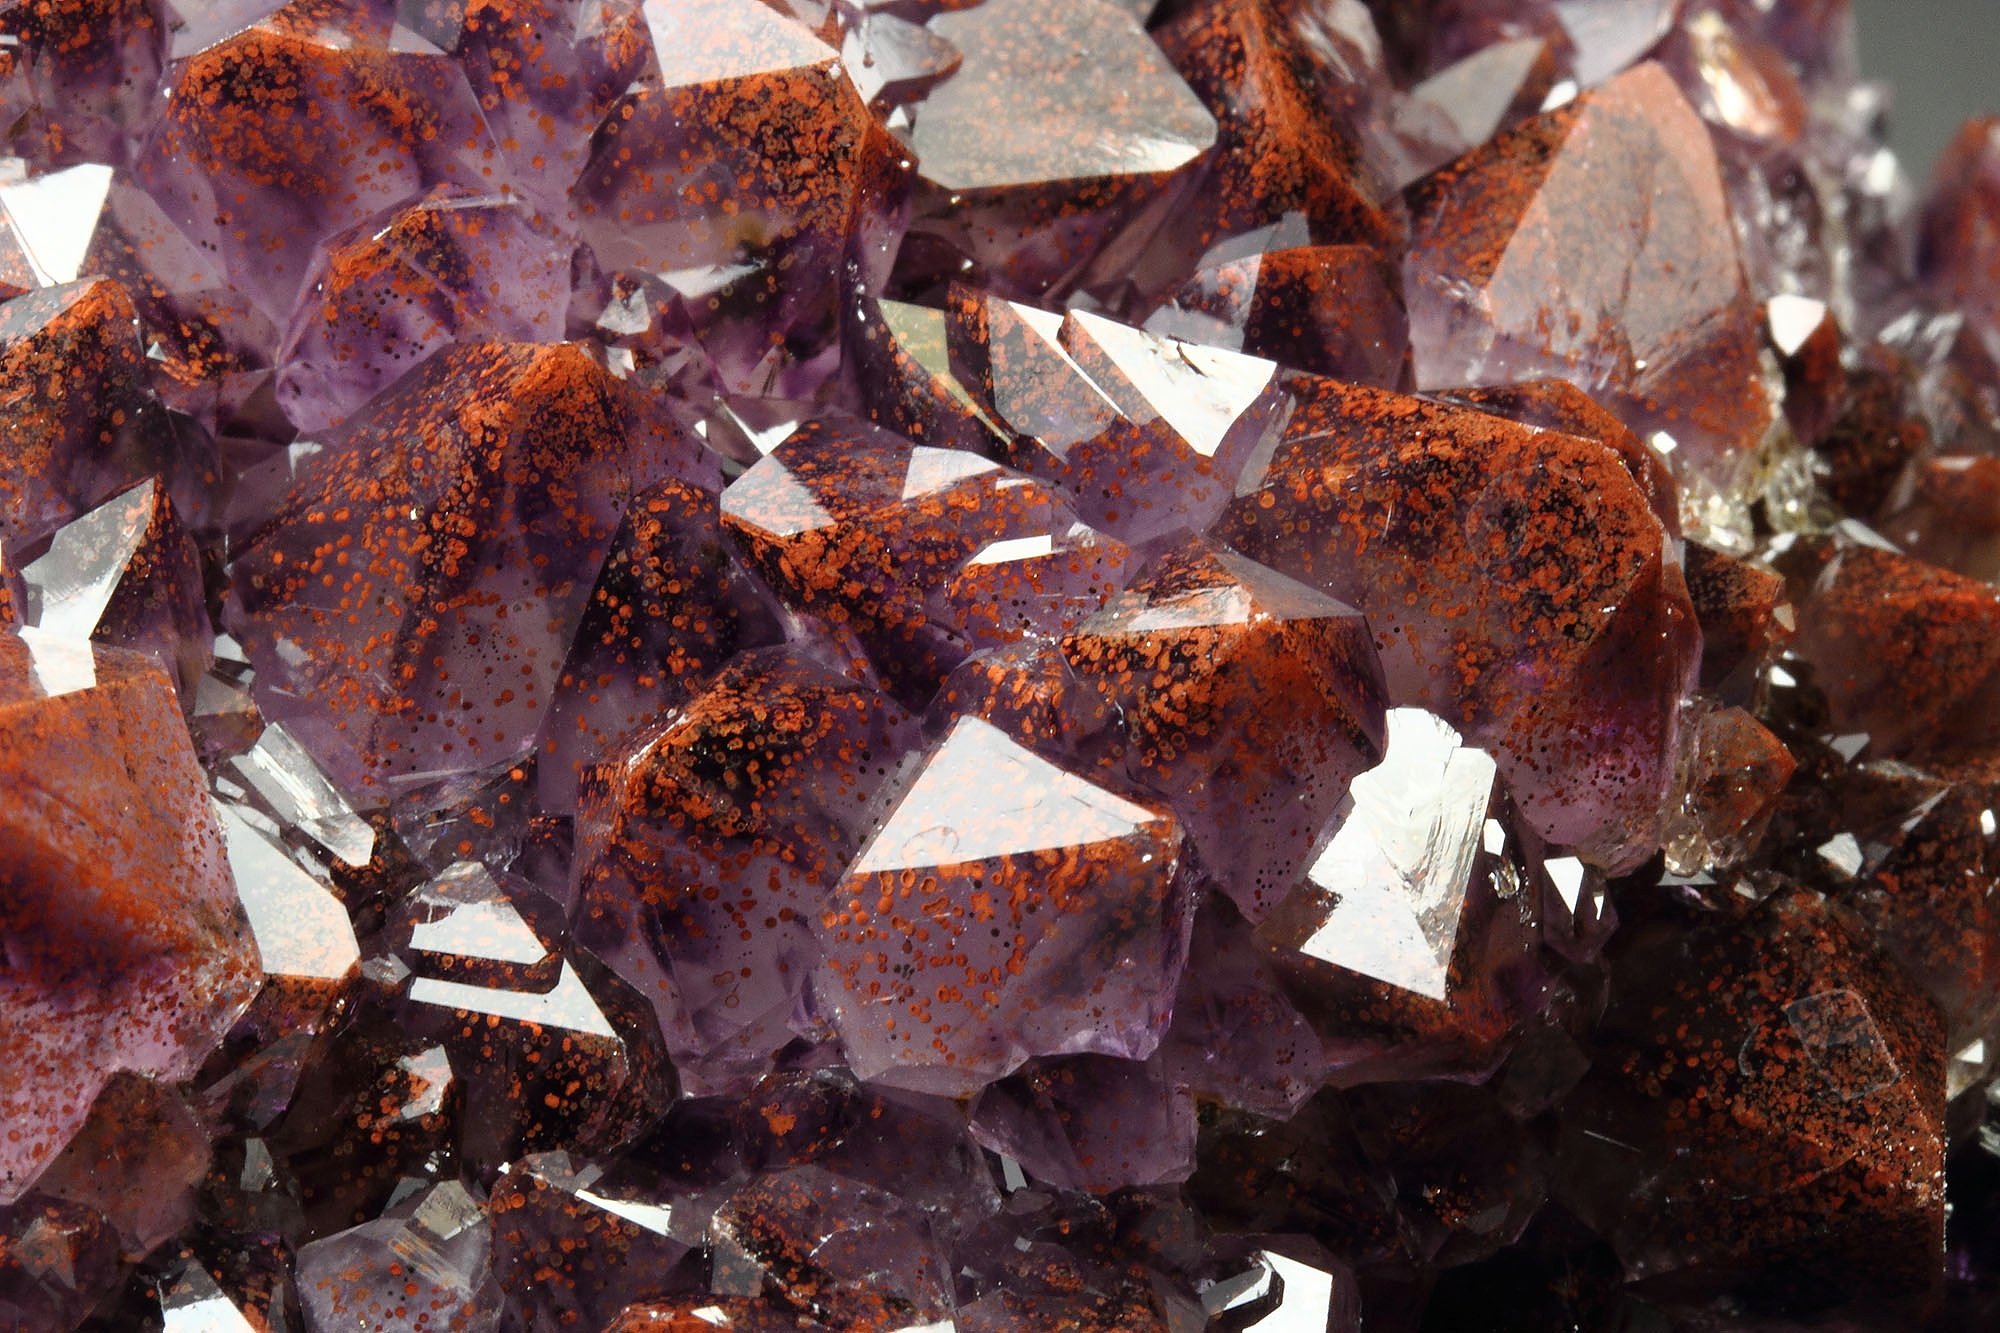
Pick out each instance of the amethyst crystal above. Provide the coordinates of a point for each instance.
(992, 665)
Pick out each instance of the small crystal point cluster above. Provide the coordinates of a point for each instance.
(982, 666)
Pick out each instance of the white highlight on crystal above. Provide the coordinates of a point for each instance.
(1398, 869)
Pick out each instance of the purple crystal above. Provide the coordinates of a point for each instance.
(1276, 708)
(241, 166)
(1007, 908)
(1493, 562)
(1090, 1122)
(85, 426)
(362, 1276)
(1503, 284)
(387, 293)
(992, 665)
(707, 852)
(1031, 211)
(126, 574)
(447, 538)
(722, 114)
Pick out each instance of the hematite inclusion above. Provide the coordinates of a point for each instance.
(992, 665)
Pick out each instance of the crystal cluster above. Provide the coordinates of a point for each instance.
(964, 666)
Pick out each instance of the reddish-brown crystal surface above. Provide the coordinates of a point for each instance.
(992, 665)
(127, 948)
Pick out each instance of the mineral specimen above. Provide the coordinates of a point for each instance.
(982, 666)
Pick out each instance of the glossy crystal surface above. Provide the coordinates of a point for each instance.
(984, 666)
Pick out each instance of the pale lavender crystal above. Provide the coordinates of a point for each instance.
(545, 72)
(482, 494)
(128, 575)
(915, 1146)
(1090, 1122)
(707, 847)
(366, 1277)
(1008, 908)
(1236, 1037)
(79, 80)
(388, 292)
(138, 1160)
(1105, 138)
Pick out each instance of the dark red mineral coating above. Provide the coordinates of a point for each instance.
(306, 123)
(908, 547)
(740, 102)
(1743, 611)
(709, 845)
(128, 948)
(371, 1108)
(1249, 702)
(1926, 891)
(78, 77)
(1767, 1103)
(670, 608)
(993, 665)
(1517, 582)
(1960, 245)
(1007, 908)
(1946, 512)
(1560, 406)
(1878, 430)
(574, 1244)
(79, 423)
(1906, 653)
(548, 1054)
(413, 597)
(1280, 149)
(1507, 280)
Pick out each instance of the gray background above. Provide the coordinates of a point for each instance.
(1942, 58)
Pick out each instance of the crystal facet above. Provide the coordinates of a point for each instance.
(981, 666)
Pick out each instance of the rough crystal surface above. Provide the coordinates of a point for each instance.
(1007, 908)
(1494, 561)
(1247, 700)
(447, 542)
(708, 848)
(1505, 285)
(127, 946)
(976, 666)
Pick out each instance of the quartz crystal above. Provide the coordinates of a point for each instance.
(984, 666)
